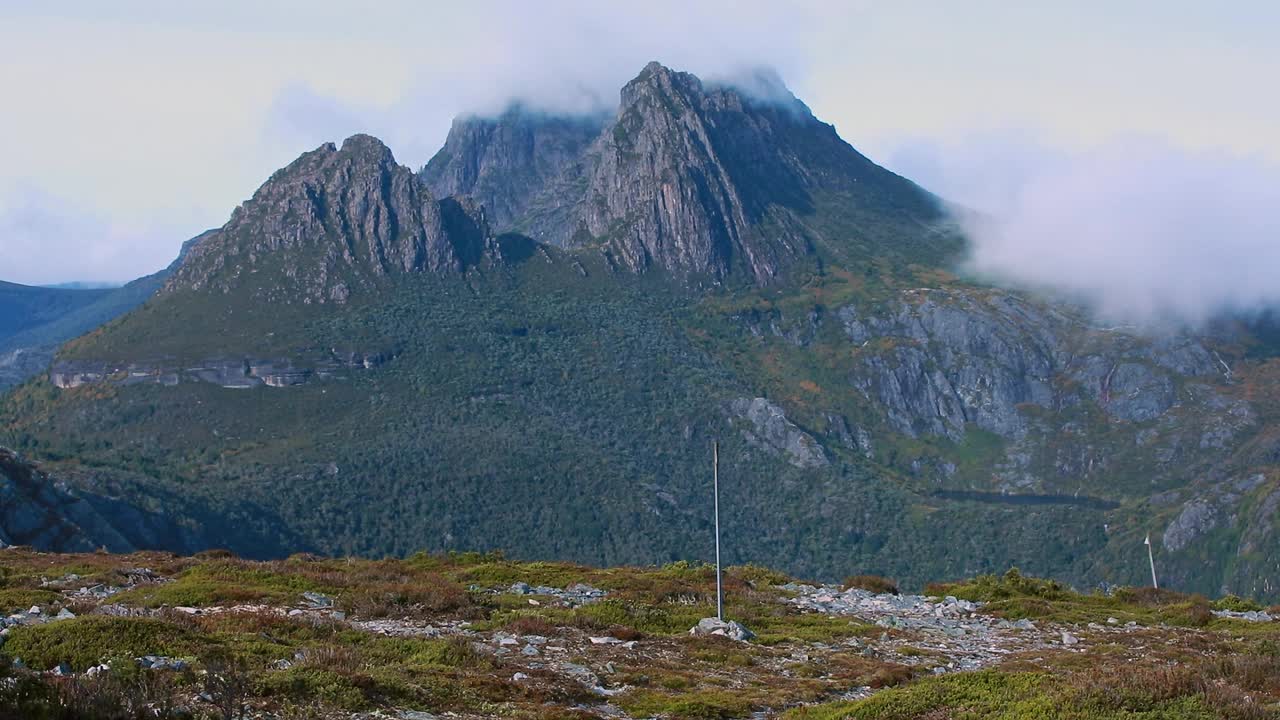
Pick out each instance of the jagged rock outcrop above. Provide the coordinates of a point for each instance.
(330, 221)
(37, 510)
(506, 162)
(769, 429)
(701, 180)
(938, 360)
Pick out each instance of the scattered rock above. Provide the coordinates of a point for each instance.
(947, 626)
(726, 628)
(581, 673)
(1248, 615)
(576, 594)
(160, 662)
(317, 600)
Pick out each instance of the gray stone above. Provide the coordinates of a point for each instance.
(772, 431)
(1197, 518)
(317, 600)
(725, 628)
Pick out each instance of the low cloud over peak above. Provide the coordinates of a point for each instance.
(1137, 229)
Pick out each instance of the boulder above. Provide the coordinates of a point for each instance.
(726, 628)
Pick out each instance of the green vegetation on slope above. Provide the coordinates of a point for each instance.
(541, 412)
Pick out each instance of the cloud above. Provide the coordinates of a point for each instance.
(1137, 229)
(245, 87)
(46, 239)
(550, 57)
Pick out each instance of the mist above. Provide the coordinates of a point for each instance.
(1138, 230)
(554, 58)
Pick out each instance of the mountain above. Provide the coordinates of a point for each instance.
(367, 360)
(37, 320)
(504, 162)
(699, 180)
(337, 218)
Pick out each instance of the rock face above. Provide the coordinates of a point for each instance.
(703, 181)
(769, 429)
(35, 510)
(504, 163)
(939, 361)
(232, 373)
(328, 222)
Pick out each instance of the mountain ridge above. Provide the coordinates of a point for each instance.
(352, 212)
(663, 184)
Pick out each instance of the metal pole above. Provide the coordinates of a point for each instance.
(1151, 556)
(715, 484)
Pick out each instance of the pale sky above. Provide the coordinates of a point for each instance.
(128, 127)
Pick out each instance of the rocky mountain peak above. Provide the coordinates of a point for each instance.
(328, 223)
(656, 77)
(506, 161)
(698, 179)
(367, 146)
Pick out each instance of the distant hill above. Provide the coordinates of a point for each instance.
(24, 307)
(79, 285)
(35, 320)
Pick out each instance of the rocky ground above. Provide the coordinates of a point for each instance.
(319, 638)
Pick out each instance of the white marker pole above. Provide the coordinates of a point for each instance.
(1152, 558)
(715, 485)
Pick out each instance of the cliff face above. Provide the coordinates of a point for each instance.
(505, 163)
(939, 360)
(328, 223)
(701, 181)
